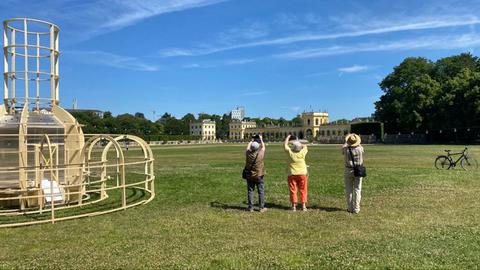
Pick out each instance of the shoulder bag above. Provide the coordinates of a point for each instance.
(358, 170)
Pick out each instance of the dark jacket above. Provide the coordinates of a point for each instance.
(258, 168)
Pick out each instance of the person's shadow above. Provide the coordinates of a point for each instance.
(225, 206)
(325, 209)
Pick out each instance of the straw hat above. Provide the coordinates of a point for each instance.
(353, 140)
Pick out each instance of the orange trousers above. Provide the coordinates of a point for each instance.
(297, 182)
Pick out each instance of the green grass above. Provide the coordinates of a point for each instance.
(413, 216)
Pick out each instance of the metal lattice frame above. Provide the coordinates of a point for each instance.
(30, 40)
(47, 166)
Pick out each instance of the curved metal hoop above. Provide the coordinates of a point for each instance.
(100, 187)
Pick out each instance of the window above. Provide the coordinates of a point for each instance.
(316, 121)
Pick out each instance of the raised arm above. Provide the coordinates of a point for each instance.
(249, 144)
(262, 144)
(286, 140)
(285, 144)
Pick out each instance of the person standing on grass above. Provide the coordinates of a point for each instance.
(353, 184)
(297, 172)
(254, 162)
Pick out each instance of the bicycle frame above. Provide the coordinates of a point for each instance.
(462, 156)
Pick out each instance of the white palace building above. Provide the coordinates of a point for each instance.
(206, 129)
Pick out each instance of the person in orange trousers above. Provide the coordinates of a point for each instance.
(297, 172)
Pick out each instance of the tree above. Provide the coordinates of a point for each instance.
(164, 118)
(107, 114)
(408, 95)
(449, 67)
(173, 126)
(422, 95)
(204, 116)
(459, 103)
(224, 126)
(139, 115)
(297, 121)
(187, 119)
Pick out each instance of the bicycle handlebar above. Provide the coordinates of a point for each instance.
(449, 152)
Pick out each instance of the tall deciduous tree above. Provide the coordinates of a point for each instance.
(420, 94)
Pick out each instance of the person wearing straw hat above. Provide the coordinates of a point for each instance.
(254, 164)
(297, 172)
(353, 184)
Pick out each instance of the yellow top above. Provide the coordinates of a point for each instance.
(297, 165)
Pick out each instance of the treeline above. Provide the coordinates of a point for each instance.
(431, 97)
(122, 124)
(267, 121)
(167, 127)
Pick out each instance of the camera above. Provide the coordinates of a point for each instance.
(256, 138)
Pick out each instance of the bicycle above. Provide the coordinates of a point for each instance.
(467, 162)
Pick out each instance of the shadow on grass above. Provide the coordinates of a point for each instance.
(277, 206)
(326, 209)
(225, 206)
(242, 208)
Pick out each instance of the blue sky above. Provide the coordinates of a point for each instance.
(275, 57)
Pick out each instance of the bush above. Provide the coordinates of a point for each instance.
(368, 128)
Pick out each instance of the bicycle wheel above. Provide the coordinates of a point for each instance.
(442, 163)
(469, 163)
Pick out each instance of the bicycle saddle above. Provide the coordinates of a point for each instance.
(448, 151)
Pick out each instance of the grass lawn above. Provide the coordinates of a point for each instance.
(413, 216)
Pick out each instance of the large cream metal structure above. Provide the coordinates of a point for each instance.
(47, 165)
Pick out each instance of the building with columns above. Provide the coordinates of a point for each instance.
(205, 128)
(314, 124)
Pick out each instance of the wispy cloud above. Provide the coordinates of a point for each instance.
(132, 11)
(230, 62)
(193, 65)
(254, 93)
(387, 27)
(110, 60)
(430, 42)
(239, 61)
(353, 69)
(86, 19)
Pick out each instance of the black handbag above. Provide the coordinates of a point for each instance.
(247, 172)
(358, 170)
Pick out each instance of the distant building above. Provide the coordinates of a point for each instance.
(314, 124)
(238, 113)
(206, 129)
(96, 112)
(238, 128)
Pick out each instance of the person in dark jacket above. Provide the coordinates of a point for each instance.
(254, 162)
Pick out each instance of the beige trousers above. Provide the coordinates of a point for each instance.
(353, 190)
